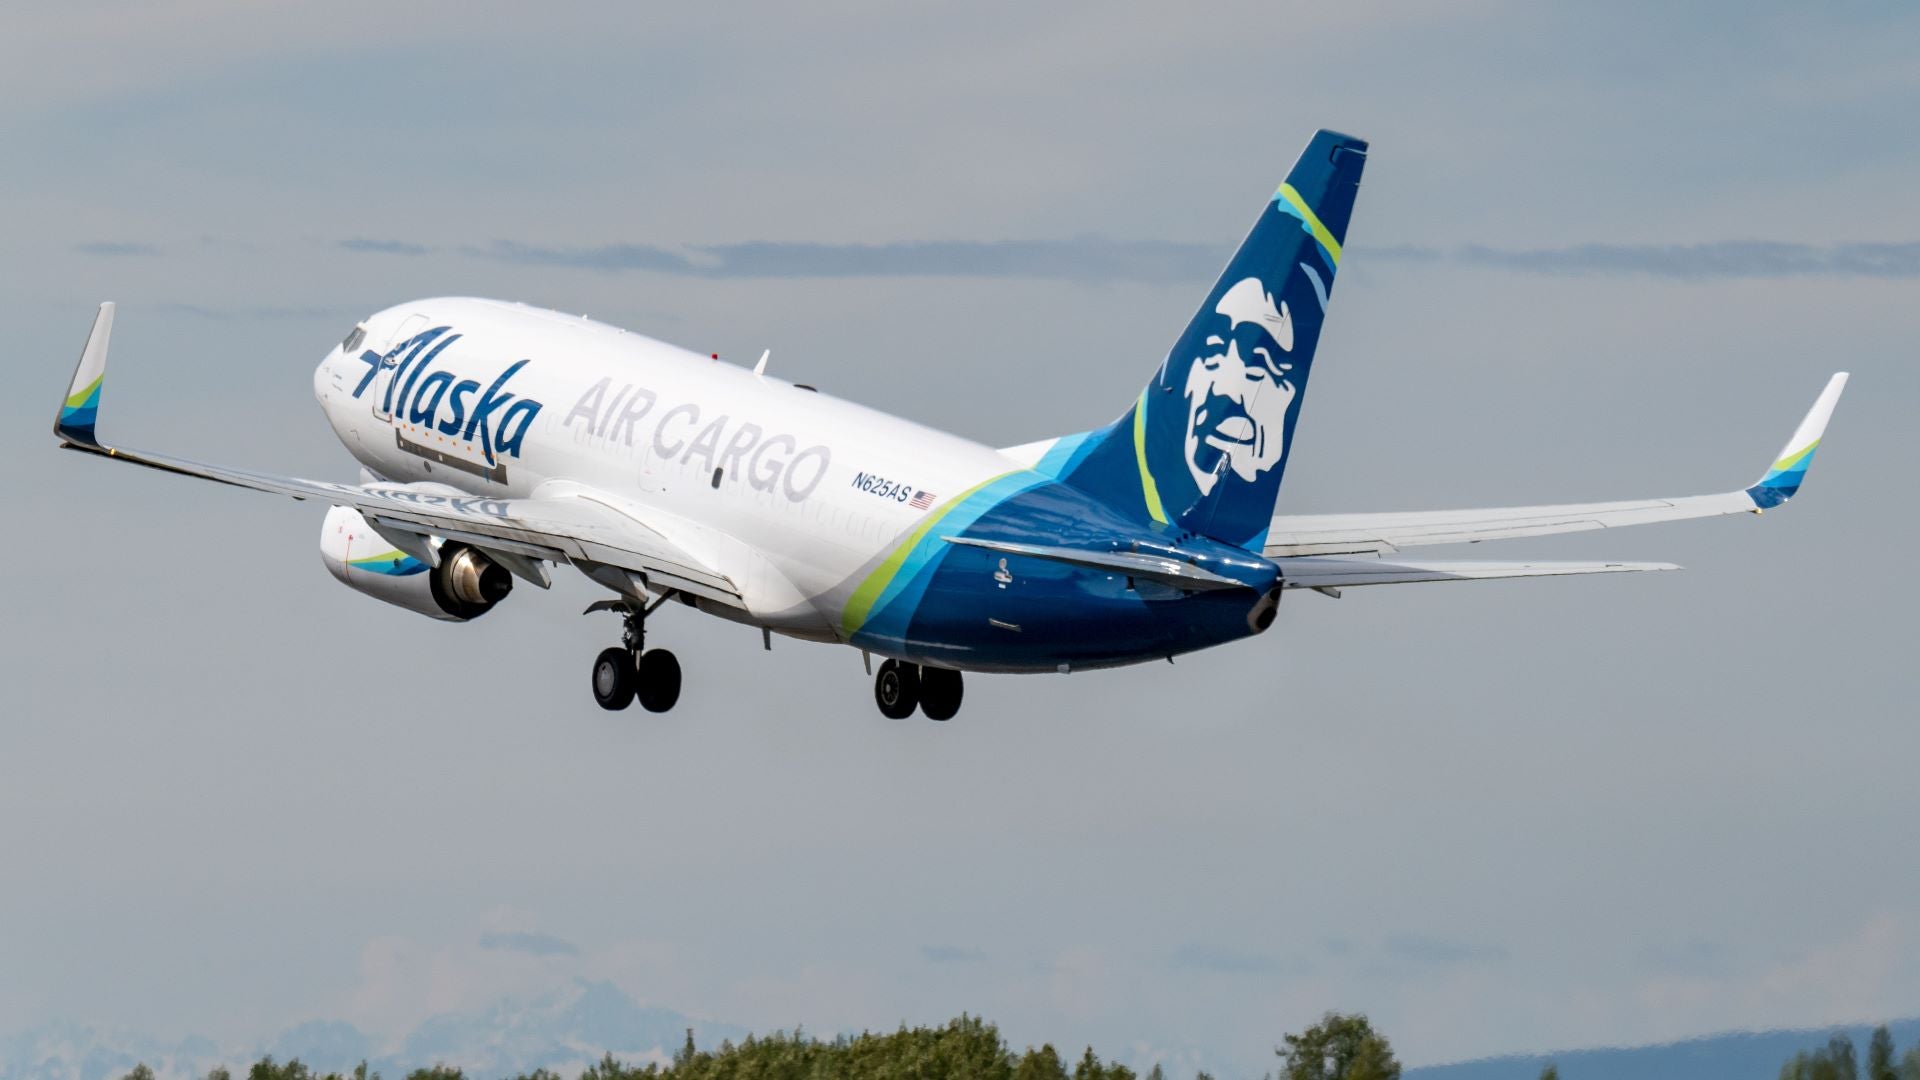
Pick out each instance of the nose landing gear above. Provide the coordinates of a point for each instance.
(900, 687)
(630, 671)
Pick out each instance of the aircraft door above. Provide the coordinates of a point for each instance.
(381, 394)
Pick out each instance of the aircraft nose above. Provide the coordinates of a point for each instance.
(329, 380)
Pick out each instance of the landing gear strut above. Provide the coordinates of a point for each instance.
(900, 687)
(630, 670)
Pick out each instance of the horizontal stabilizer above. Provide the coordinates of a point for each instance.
(1314, 572)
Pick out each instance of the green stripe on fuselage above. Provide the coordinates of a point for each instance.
(860, 604)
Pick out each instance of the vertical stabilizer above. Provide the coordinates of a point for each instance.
(1205, 445)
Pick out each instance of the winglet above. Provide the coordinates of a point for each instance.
(82, 405)
(1784, 478)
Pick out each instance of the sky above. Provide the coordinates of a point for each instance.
(1600, 252)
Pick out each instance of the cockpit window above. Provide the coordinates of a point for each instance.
(354, 339)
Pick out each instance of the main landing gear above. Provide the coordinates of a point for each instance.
(630, 671)
(900, 687)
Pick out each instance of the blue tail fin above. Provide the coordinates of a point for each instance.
(1205, 445)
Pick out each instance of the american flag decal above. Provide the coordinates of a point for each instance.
(922, 500)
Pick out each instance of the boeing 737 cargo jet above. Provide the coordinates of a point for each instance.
(498, 440)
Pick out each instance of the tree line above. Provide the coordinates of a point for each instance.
(969, 1048)
(1836, 1060)
(1339, 1047)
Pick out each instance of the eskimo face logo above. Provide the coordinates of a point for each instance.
(1238, 392)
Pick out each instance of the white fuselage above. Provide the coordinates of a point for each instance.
(789, 492)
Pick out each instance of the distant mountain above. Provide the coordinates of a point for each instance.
(75, 1052)
(563, 1031)
(1733, 1056)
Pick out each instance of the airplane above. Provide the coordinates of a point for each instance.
(498, 440)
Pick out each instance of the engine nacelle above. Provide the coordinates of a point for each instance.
(466, 584)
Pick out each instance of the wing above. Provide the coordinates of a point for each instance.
(1331, 574)
(575, 528)
(1335, 534)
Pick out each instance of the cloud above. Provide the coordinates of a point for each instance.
(261, 313)
(1087, 258)
(1690, 957)
(951, 954)
(384, 247)
(1198, 957)
(1095, 258)
(115, 248)
(530, 942)
(1837, 981)
(1425, 951)
(1726, 259)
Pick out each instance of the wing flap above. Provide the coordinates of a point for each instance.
(1320, 572)
(1332, 534)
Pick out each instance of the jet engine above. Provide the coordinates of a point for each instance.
(465, 585)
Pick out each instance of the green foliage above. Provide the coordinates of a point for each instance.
(1551, 1072)
(139, 1072)
(1833, 1062)
(268, 1069)
(1339, 1047)
(1041, 1064)
(1910, 1064)
(609, 1069)
(219, 1072)
(967, 1048)
(1880, 1064)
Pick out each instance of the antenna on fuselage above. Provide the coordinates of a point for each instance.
(761, 367)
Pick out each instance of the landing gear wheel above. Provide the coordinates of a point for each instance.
(939, 693)
(659, 680)
(613, 678)
(896, 689)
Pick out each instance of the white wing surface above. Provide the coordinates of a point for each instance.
(1335, 534)
(1331, 573)
(571, 529)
